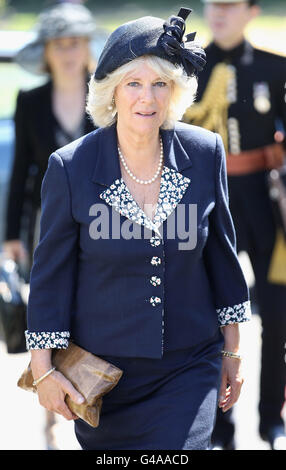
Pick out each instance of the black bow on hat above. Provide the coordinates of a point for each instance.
(191, 55)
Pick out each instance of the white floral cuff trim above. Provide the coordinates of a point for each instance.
(47, 340)
(236, 314)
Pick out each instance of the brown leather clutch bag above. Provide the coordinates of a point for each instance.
(92, 376)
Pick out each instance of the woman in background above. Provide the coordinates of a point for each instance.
(49, 116)
(46, 118)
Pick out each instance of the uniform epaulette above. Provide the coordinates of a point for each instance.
(269, 50)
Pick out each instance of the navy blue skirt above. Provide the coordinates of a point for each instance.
(168, 403)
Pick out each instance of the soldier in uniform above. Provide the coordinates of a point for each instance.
(242, 96)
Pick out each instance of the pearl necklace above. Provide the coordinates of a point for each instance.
(138, 180)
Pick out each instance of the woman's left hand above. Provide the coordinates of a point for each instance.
(231, 383)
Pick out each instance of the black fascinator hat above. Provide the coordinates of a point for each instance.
(152, 36)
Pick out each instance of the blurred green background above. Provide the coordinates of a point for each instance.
(20, 14)
(267, 31)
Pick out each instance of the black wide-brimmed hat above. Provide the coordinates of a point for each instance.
(152, 36)
(61, 20)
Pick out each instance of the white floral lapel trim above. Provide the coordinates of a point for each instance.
(172, 188)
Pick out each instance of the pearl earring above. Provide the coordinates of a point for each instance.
(111, 106)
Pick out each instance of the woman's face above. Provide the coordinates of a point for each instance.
(142, 100)
(67, 56)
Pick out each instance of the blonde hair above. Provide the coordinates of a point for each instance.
(100, 103)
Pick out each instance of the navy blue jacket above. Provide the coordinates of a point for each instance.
(118, 283)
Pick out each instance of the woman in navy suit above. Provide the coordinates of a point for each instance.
(137, 260)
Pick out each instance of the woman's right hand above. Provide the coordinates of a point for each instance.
(52, 392)
(53, 389)
(15, 249)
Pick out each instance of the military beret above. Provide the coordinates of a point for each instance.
(251, 2)
(152, 36)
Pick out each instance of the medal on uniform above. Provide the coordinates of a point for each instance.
(261, 97)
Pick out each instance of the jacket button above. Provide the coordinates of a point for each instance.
(155, 241)
(155, 261)
(155, 281)
(155, 301)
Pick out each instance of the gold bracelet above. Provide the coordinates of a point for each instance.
(230, 354)
(37, 381)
